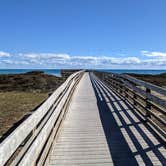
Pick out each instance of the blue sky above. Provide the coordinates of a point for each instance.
(83, 34)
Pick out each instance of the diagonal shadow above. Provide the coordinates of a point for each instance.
(126, 134)
(118, 147)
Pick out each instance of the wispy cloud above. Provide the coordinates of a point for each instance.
(7, 61)
(154, 54)
(45, 56)
(77, 61)
(53, 60)
(154, 58)
(4, 54)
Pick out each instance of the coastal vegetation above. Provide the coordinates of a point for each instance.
(34, 81)
(20, 94)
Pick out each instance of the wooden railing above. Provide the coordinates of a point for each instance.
(148, 99)
(31, 141)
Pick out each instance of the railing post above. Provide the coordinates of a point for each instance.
(148, 105)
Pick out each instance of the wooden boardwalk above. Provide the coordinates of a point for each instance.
(81, 140)
(102, 129)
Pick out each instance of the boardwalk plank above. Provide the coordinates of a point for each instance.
(101, 129)
(82, 139)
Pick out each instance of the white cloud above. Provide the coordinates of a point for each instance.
(7, 61)
(128, 60)
(154, 58)
(4, 54)
(154, 54)
(45, 56)
(155, 62)
(52, 60)
(77, 61)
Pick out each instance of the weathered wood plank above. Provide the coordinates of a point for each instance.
(81, 131)
(16, 138)
(145, 84)
(138, 93)
(148, 95)
(141, 139)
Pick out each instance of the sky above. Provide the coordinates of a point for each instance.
(110, 34)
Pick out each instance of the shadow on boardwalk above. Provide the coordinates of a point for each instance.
(130, 141)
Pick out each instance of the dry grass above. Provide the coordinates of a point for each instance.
(14, 105)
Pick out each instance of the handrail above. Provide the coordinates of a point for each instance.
(145, 84)
(45, 116)
(151, 107)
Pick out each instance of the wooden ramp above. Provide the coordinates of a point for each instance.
(101, 129)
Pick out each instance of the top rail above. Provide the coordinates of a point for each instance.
(41, 117)
(132, 82)
(138, 82)
(145, 84)
(148, 99)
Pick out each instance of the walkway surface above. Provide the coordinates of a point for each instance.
(102, 129)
